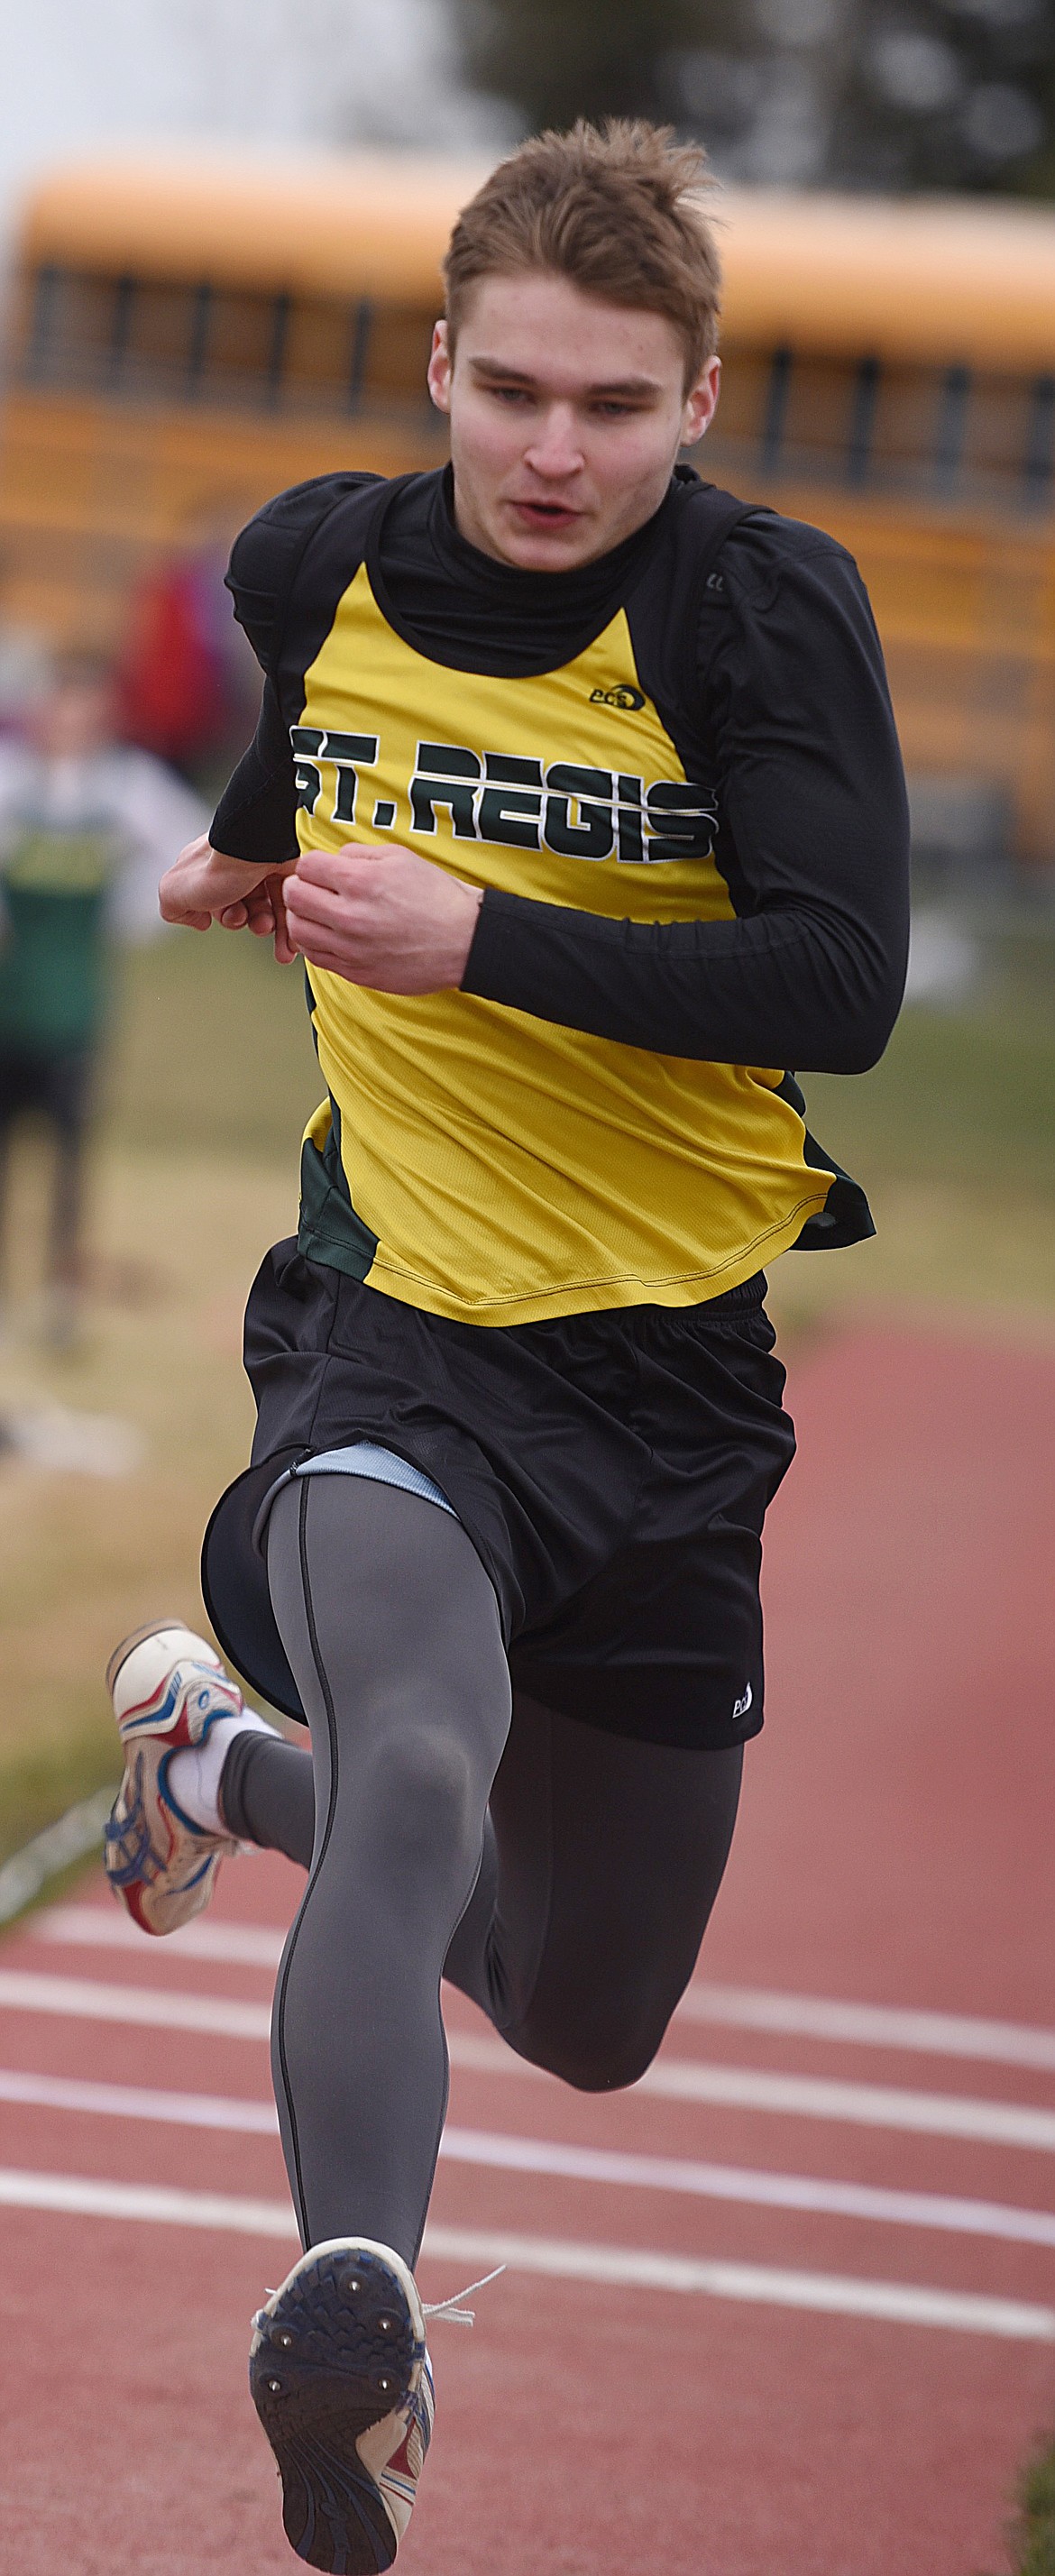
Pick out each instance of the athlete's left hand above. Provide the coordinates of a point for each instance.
(382, 917)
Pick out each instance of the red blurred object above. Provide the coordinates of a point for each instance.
(173, 688)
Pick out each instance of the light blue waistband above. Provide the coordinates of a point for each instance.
(381, 1465)
(362, 1458)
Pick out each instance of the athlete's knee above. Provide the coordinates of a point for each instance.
(422, 1794)
(599, 2045)
(606, 2061)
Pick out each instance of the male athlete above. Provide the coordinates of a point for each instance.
(601, 827)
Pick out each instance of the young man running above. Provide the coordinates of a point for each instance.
(601, 827)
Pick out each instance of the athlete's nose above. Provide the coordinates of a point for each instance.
(556, 450)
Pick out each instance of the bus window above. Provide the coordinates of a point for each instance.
(138, 338)
(745, 376)
(320, 353)
(160, 340)
(905, 426)
(1040, 443)
(871, 425)
(774, 420)
(77, 328)
(997, 434)
(818, 418)
(242, 348)
(398, 354)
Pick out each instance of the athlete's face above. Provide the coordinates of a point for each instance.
(566, 419)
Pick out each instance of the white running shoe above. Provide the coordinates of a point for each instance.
(341, 2380)
(168, 1688)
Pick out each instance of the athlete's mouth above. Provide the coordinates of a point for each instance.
(548, 514)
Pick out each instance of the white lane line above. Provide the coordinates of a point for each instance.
(747, 2088)
(756, 2189)
(138, 2102)
(500, 2152)
(932, 2034)
(82, 2196)
(895, 2302)
(873, 2106)
(86, 1999)
(95, 1927)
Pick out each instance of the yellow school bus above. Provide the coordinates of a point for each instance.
(186, 337)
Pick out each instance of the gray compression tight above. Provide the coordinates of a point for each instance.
(559, 1876)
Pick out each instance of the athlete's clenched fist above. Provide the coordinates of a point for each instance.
(382, 917)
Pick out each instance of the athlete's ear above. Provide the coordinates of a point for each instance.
(700, 404)
(441, 366)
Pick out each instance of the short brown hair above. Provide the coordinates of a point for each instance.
(616, 209)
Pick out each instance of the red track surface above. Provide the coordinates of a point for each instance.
(895, 1848)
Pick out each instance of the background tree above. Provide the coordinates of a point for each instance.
(887, 94)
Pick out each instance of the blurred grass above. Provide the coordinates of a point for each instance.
(1037, 2533)
(964, 1096)
(953, 1137)
(1031, 2537)
(211, 1075)
(212, 1050)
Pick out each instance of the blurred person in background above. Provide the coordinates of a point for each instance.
(184, 678)
(87, 825)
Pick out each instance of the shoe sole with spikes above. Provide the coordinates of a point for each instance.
(340, 2378)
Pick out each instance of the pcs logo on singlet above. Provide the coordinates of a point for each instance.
(507, 797)
(630, 700)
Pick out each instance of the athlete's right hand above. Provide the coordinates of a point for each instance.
(204, 886)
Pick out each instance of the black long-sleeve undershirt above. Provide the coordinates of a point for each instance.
(812, 800)
(780, 989)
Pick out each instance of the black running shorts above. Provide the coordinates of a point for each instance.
(55, 1083)
(612, 1470)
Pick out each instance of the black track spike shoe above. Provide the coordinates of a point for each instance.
(341, 2381)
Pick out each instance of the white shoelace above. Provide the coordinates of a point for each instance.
(451, 2310)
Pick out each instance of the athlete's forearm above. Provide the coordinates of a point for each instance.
(256, 818)
(786, 987)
